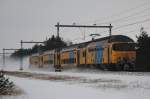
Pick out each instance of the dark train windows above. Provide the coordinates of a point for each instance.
(124, 47)
(50, 61)
(94, 49)
(84, 53)
(69, 61)
(90, 49)
(74, 60)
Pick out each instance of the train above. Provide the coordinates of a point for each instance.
(116, 52)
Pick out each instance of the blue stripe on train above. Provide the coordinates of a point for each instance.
(99, 54)
(71, 56)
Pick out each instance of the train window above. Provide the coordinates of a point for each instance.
(68, 61)
(75, 60)
(124, 47)
(72, 61)
(91, 49)
(95, 49)
(84, 52)
(64, 61)
(50, 61)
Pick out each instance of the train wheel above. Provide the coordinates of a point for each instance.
(132, 67)
(118, 67)
(126, 67)
(57, 70)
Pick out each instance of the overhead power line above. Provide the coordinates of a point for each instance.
(126, 25)
(146, 20)
(121, 13)
(135, 30)
(131, 15)
(133, 8)
(131, 18)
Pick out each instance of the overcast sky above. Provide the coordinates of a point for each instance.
(35, 19)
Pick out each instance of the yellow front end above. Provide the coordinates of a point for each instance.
(123, 52)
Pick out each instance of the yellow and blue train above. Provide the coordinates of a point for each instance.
(117, 52)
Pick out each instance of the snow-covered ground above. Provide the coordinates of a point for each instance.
(104, 85)
(39, 89)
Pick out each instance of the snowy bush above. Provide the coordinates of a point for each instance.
(6, 86)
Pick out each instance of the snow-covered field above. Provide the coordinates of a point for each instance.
(102, 85)
(39, 89)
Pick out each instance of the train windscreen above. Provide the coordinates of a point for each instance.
(124, 47)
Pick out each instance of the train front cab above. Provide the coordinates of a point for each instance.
(120, 56)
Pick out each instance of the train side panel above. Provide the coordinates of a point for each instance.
(34, 60)
(95, 53)
(48, 59)
(45, 59)
(90, 57)
(69, 58)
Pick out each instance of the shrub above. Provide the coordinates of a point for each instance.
(6, 86)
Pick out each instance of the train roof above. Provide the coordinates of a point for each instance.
(48, 52)
(35, 54)
(113, 38)
(116, 38)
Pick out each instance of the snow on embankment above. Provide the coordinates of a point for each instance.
(99, 80)
(67, 85)
(45, 89)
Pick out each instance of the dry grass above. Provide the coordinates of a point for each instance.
(15, 91)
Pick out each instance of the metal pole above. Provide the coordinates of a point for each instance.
(58, 29)
(110, 30)
(3, 59)
(110, 27)
(21, 58)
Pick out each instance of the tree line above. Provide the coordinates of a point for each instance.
(51, 43)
